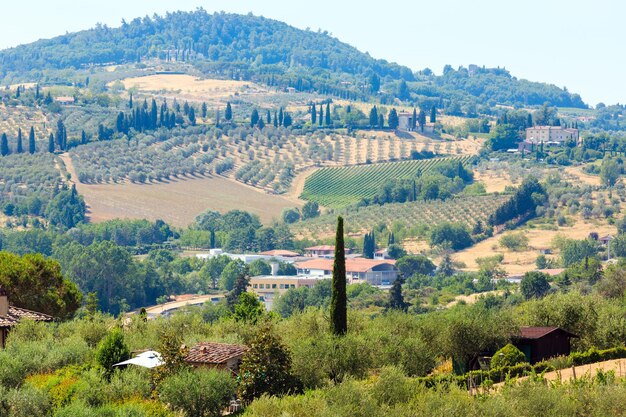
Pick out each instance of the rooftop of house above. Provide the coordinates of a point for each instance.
(321, 247)
(214, 353)
(352, 264)
(539, 332)
(280, 252)
(552, 271)
(552, 128)
(16, 314)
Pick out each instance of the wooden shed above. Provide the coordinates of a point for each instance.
(539, 343)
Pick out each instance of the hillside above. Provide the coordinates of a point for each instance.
(252, 48)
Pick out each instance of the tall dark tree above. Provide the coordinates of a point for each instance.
(19, 148)
(130, 100)
(275, 121)
(414, 119)
(433, 114)
(61, 135)
(281, 116)
(32, 145)
(313, 114)
(392, 120)
(287, 120)
(228, 113)
(391, 240)
(374, 83)
(254, 118)
(83, 137)
(204, 109)
(381, 120)
(37, 92)
(240, 286)
(327, 115)
(338, 298)
(4, 145)
(369, 245)
(192, 116)
(403, 91)
(396, 299)
(51, 143)
(268, 117)
(321, 118)
(374, 117)
(529, 120)
(422, 120)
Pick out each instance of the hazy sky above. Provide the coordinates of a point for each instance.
(579, 44)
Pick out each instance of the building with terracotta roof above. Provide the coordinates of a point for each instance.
(323, 251)
(551, 134)
(280, 253)
(539, 343)
(216, 355)
(10, 316)
(372, 271)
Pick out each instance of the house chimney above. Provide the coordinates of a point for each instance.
(4, 303)
(274, 266)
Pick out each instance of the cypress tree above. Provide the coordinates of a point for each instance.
(32, 146)
(396, 299)
(204, 110)
(217, 117)
(268, 117)
(433, 114)
(37, 92)
(51, 143)
(275, 119)
(422, 120)
(392, 120)
(153, 114)
(254, 118)
(338, 299)
(391, 239)
(327, 121)
(130, 100)
(381, 120)
(414, 119)
(313, 114)
(4, 145)
(192, 116)
(281, 116)
(20, 149)
(228, 113)
(373, 117)
(321, 118)
(83, 137)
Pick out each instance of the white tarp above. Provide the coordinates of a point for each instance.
(149, 359)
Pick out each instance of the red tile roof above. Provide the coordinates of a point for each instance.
(321, 247)
(539, 332)
(214, 353)
(16, 314)
(352, 264)
(278, 252)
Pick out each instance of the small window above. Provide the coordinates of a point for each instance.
(292, 286)
(255, 286)
(273, 286)
(281, 286)
(261, 286)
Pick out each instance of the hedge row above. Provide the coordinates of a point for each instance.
(524, 369)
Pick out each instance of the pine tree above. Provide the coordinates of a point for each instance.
(338, 299)
(19, 149)
(32, 146)
(313, 114)
(396, 299)
(204, 109)
(327, 120)
(433, 114)
(228, 113)
(254, 118)
(51, 143)
(373, 117)
(4, 145)
(392, 120)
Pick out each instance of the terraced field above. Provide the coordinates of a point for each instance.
(341, 187)
(467, 210)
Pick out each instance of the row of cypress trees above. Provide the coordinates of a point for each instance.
(6, 150)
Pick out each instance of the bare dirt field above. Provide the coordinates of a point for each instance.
(176, 202)
(184, 86)
(577, 173)
(494, 181)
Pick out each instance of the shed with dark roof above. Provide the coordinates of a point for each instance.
(539, 343)
(216, 355)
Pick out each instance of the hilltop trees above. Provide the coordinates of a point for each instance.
(338, 300)
(392, 120)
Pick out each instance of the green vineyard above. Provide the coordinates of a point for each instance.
(341, 187)
(466, 210)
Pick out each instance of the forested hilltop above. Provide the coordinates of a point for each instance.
(254, 48)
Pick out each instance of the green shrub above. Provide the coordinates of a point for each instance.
(509, 355)
(112, 350)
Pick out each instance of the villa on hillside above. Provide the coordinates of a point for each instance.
(551, 135)
(10, 316)
(358, 270)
